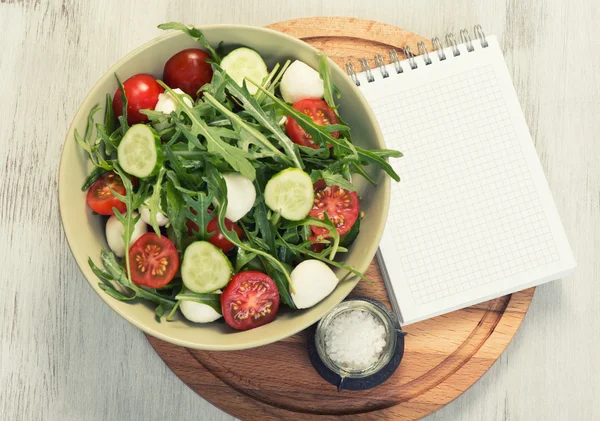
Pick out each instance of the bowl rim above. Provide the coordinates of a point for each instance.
(385, 184)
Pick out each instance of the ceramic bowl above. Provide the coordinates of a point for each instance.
(85, 231)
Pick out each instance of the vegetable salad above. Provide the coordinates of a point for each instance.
(227, 186)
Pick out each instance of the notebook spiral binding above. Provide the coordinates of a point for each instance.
(465, 38)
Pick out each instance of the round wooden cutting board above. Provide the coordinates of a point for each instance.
(444, 356)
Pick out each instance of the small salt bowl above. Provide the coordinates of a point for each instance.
(358, 345)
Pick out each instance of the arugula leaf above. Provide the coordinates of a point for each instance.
(132, 201)
(114, 293)
(329, 87)
(277, 79)
(267, 82)
(242, 258)
(347, 239)
(215, 145)
(331, 179)
(305, 250)
(217, 88)
(270, 83)
(210, 299)
(252, 107)
(196, 210)
(321, 136)
(92, 149)
(109, 116)
(326, 223)
(259, 138)
(194, 33)
(96, 173)
(359, 169)
(111, 142)
(261, 211)
(153, 203)
(115, 272)
(175, 211)
(123, 117)
(178, 169)
(284, 285)
(108, 128)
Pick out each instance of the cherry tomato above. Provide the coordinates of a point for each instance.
(341, 205)
(217, 239)
(142, 93)
(188, 71)
(153, 261)
(321, 114)
(249, 300)
(100, 198)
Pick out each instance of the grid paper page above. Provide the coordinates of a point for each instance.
(489, 229)
(468, 221)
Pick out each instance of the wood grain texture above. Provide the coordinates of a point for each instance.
(64, 355)
(444, 356)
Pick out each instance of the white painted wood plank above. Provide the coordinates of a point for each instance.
(66, 356)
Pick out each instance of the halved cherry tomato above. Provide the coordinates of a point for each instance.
(153, 261)
(142, 93)
(341, 205)
(217, 239)
(188, 71)
(320, 112)
(249, 300)
(100, 198)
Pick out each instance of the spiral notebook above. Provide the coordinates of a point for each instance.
(473, 217)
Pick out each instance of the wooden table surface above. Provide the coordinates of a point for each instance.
(66, 356)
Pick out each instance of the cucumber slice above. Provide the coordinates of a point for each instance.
(290, 192)
(139, 152)
(205, 268)
(244, 63)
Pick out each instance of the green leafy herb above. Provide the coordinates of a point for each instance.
(321, 136)
(196, 210)
(92, 148)
(243, 257)
(129, 219)
(252, 107)
(176, 211)
(329, 87)
(123, 117)
(327, 224)
(115, 274)
(215, 145)
(258, 137)
(154, 201)
(212, 300)
(194, 33)
(96, 173)
(331, 179)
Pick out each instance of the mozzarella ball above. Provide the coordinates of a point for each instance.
(167, 104)
(198, 312)
(300, 81)
(312, 280)
(114, 234)
(161, 218)
(241, 195)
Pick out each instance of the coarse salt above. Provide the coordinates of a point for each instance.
(355, 339)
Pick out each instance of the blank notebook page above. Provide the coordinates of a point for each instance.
(473, 217)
